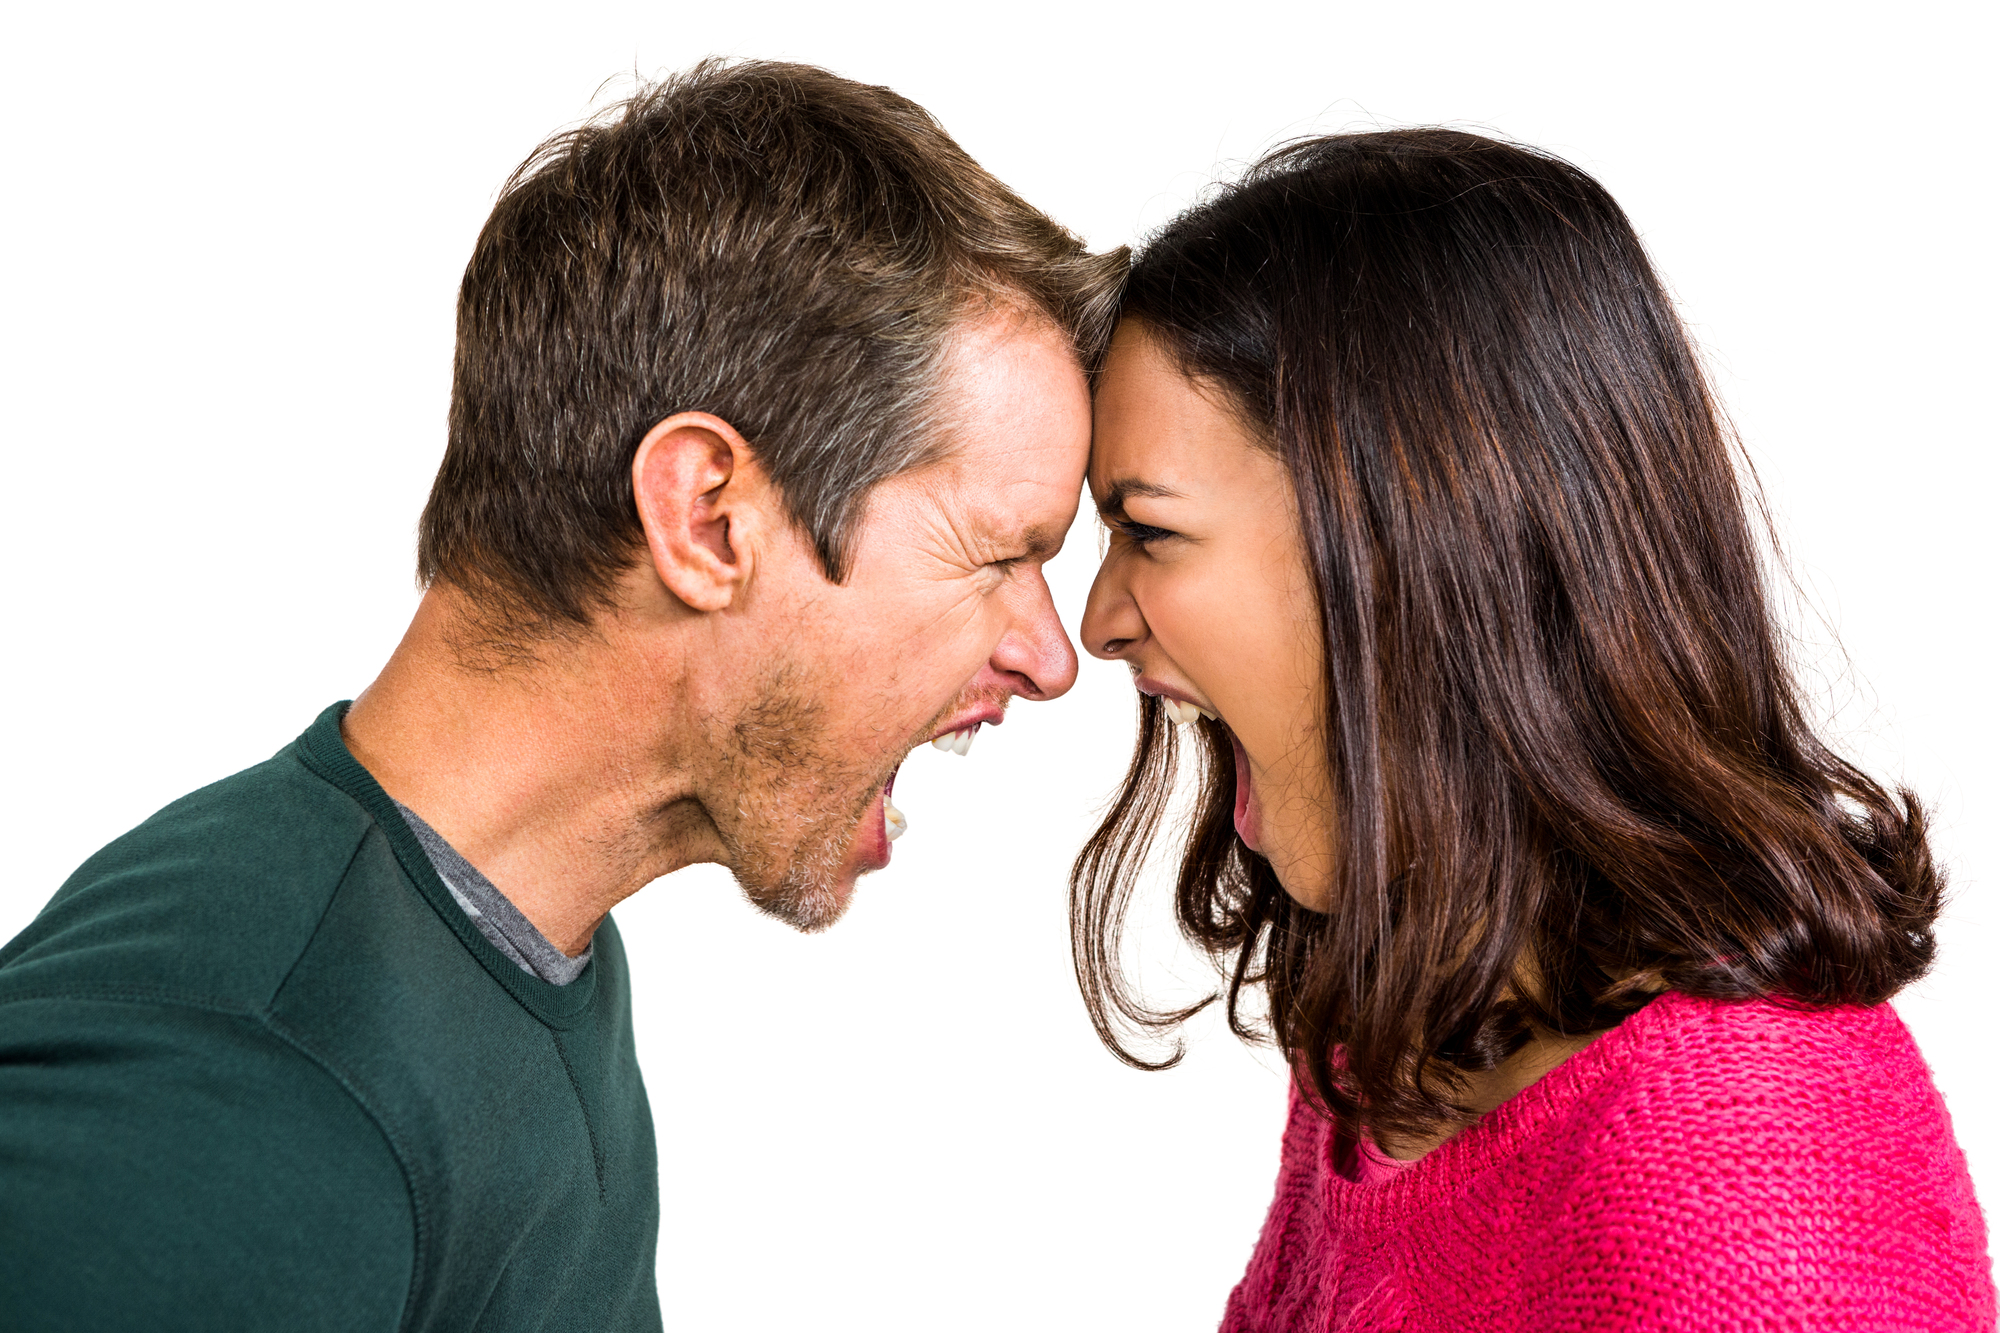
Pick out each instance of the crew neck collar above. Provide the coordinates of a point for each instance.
(324, 752)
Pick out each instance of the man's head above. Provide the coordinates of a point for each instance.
(760, 373)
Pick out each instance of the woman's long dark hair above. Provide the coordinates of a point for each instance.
(1570, 764)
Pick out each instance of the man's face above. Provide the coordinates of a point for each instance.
(943, 619)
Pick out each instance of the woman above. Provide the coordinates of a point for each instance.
(1424, 522)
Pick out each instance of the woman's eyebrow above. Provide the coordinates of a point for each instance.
(1118, 492)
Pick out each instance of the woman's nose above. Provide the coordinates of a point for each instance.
(1112, 626)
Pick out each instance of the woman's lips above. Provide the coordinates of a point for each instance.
(1178, 705)
(1247, 823)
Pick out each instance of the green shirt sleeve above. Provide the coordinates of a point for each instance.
(168, 1167)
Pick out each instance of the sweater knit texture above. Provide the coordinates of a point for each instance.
(1706, 1165)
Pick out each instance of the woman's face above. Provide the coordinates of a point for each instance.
(1204, 593)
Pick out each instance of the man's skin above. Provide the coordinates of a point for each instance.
(735, 705)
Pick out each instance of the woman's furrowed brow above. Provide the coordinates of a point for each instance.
(1118, 492)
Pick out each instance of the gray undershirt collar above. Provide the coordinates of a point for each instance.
(497, 918)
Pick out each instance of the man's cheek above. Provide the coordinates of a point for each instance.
(958, 638)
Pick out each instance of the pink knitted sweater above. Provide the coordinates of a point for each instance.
(1704, 1166)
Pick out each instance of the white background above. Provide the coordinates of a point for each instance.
(232, 239)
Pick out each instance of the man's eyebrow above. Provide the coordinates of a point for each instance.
(1040, 542)
(1118, 492)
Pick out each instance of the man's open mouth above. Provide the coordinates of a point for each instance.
(894, 825)
(958, 742)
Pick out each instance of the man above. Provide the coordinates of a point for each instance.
(768, 406)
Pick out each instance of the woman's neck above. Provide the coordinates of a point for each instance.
(1488, 1089)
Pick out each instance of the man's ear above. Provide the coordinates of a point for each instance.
(701, 501)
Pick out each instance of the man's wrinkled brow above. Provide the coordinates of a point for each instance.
(1041, 542)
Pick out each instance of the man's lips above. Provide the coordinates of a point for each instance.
(957, 734)
(988, 714)
(870, 849)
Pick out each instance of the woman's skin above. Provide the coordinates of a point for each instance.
(1204, 594)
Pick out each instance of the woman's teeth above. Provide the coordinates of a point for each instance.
(958, 742)
(1185, 713)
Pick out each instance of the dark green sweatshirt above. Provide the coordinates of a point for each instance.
(259, 1071)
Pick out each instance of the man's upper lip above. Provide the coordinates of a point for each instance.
(991, 714)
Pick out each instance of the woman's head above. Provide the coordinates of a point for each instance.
(1463, 569)
(1205, 592)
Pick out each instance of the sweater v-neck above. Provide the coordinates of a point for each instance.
(1387, 1199)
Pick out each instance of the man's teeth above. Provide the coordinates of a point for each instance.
(1184, 713)
(958, 742)
(893, 822)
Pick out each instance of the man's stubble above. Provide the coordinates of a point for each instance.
(799, 802)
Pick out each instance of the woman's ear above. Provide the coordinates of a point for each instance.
(701, 500)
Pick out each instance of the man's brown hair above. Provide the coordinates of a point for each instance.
(776, 245)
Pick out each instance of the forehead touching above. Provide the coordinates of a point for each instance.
(1018, 422)
(1155, 428)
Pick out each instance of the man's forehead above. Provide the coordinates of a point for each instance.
(1031, 528)
(1017, 491)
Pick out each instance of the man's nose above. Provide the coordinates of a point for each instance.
(1112, 626)
(1034, 654)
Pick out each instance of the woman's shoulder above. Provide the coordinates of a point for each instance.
(1787, 1068)
(1727, 1153)
(1804, 1119)
(1687, 1075)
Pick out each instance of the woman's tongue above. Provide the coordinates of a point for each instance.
(1246, 798)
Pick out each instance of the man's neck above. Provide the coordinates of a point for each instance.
(540, 771)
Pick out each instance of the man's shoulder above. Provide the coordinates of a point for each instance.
(167, 1166)
(210, 900)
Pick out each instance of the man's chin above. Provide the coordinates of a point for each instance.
(816, 888)
(817, 881)
(868, 851)
(807, 907)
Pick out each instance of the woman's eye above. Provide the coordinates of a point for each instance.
(1143, 534)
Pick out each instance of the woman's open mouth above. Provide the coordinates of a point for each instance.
(1248, 825)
